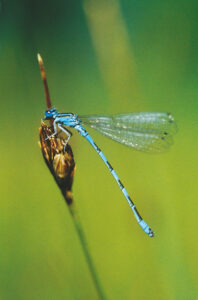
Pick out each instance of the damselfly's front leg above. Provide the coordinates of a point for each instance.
(55, 129)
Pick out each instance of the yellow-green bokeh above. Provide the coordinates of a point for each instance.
(40, 254)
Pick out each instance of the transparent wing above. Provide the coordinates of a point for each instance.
(147, 131)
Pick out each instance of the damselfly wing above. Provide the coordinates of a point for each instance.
(145, 131)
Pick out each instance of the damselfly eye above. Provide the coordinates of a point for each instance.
(48, 113)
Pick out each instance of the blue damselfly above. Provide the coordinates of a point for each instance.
(145, 131)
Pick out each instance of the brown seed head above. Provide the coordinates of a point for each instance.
(60, 163)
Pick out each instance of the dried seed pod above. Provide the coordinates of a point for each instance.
(60, 163)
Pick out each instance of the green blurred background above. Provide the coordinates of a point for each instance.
(101, 57)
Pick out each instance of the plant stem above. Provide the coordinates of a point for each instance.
(85, 248)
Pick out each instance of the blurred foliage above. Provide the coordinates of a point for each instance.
(101, 57)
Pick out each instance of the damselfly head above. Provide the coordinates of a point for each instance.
(50, 113)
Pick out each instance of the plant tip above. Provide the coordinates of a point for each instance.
(43, 76)
(39, 58)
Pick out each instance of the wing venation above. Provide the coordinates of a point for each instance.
(148, 131)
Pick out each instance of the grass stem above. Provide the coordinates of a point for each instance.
(86, 252)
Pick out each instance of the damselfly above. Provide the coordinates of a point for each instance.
(148, 131)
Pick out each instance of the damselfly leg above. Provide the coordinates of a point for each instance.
(68, 134)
